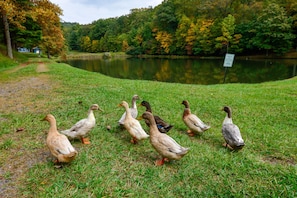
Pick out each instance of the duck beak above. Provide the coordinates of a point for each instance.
(100, 109)
(119, 105)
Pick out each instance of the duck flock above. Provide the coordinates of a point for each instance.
(61, 148)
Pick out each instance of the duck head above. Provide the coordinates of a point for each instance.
(123, 104)
(95, 107)
(186, 103)
(48, 117)
(228, 111)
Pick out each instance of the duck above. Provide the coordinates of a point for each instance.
(133, 110)
(132, 125)
(231, 132)
(195, 124)
(165, 145)
(82, 128)
(58, 144)
(163, 126)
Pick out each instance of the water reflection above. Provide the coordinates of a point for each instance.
(190, 71)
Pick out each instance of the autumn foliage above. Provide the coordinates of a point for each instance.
(33, 19)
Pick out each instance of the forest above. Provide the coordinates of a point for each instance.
(175, 27)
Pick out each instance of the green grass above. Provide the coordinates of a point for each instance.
(112, 167)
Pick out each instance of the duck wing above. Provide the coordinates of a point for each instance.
(77, 129)
(135, 129)
(79, 125)
(122, 119)
(163, 126)
(60, 145)
(197, 122)
(171, 145)
(232, 134)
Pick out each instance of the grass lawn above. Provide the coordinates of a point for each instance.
(113, 167)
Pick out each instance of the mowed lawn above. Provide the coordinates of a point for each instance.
(113, 167)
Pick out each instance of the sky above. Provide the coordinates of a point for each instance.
(87, 11)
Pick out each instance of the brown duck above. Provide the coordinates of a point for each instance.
(58, 144)
(166, 146)
(194, 124)
(163, 126)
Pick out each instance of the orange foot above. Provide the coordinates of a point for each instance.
(227, 146)
(160, 162)
(56, 161)
(85, 141)
(133, 141)
(190, 133)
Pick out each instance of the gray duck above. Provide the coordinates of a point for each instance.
(231, 132)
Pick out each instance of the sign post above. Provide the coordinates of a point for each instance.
(228, 62)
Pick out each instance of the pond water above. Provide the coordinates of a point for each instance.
(190, 71)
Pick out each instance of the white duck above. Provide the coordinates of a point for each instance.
(133, 110)
(166, 146)
(58, 144)
(83, 127)
(194, 124)
(132, 125)
(231, 132)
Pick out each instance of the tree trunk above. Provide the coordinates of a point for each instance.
(7, 35)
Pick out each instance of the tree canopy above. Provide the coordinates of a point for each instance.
(193, 27)
(32, 23)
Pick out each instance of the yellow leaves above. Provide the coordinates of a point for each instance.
(46, 14)
(125, 45)
(205, 25)
(165, 39)
(138, 39)
(14, 13)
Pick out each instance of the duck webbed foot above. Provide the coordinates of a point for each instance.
(190, 133)
(85, 140)
(160, 162)
(133, 141)
(227, 146)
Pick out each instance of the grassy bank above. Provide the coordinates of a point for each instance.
(112, 167)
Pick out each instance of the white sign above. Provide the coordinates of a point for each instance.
(228, 60)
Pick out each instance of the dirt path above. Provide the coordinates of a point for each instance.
(23, 95)
(41, 67)
(17, 95)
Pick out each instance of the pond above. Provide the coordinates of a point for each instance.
(190, 71)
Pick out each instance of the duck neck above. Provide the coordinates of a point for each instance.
(187, 111)
(53, 126)
(91, 114)
(228, 120)
(148, 108)
(153, 126)
(128, 112)
(134, 104)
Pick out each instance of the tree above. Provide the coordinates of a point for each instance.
(182, 32)
(273, 30)
(228, 27)
(86, 44)
(12, 12)
(46, 14)
(29, 36)
(165, 40)
(204, 41)
(165, 18)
